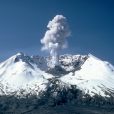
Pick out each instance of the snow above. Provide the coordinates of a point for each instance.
(93, 76)
(21, 72)
(20, 75)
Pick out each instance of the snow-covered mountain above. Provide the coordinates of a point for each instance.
(22, 74)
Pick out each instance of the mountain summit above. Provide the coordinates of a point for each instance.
(32, 74)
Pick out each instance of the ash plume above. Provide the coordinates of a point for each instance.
(55, 37)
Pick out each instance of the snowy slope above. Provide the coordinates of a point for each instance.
(20, 72)
(94, 77)
(32, 74)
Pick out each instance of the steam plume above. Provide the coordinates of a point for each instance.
(55, 37)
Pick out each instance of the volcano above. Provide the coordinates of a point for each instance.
(32, 74)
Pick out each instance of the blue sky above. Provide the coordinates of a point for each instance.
(23, 23)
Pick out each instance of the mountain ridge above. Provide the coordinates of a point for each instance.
(32, 73)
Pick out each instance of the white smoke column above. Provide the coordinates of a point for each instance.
(55, 37)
